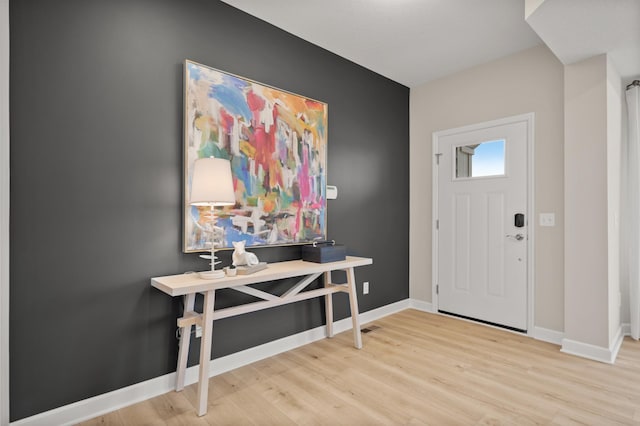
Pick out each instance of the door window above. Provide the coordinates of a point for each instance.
(480, 160)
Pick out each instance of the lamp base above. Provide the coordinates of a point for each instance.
(211, 275)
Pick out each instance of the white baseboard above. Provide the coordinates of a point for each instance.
(101, 404)
(586, 350)
(380, 312)
(421, 306)
(105, 403)
(617, 344)
(626, 329)
(596, 353)
(546, 335)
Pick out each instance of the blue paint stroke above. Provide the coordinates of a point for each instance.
(232, 234)
(232, 97)
(194, 71)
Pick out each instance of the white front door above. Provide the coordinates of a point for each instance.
(482, 223)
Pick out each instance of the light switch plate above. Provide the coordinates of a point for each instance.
(332, 192)
(547, 219)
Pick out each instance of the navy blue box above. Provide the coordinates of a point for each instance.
(323, 253)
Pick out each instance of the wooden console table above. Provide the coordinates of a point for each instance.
(188, 285)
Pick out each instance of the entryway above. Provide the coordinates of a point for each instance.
(482, 230)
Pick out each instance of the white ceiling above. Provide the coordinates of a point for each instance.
(416, 41)
(409, 41)
(576, 30)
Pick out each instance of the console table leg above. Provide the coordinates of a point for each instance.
(185, 339)
(353, 301)
(205, 351)
(328, 305)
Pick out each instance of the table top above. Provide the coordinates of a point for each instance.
(179, 285)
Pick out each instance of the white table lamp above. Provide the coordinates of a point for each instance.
(212, 185)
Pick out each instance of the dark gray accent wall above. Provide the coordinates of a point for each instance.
(96, 185)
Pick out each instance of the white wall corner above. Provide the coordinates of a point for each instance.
(4, 212)
(422, 306)
(626, 329)
(616, 344)
(546, 335)
(596, 353)
(530, 6)
(108, 402)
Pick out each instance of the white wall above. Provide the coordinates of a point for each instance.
(625, 314)
(592, 198)
(615, 98)
(4, 212)
(528, 81)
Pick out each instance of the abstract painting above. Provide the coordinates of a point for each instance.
(276, 142)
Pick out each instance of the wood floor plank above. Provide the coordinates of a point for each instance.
(176, 410)
(110, 419)
(415, 369)
(225, 412)
(143, 414)
(319, 396)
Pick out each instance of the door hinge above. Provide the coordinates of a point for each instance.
(437, 289)
(437, 224)
(438, 158)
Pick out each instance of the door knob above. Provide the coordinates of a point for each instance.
(517, 237)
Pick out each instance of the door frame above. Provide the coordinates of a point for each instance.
(529, 119)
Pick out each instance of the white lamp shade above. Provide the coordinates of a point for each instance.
(211, 183)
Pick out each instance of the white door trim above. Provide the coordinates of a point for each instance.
(4, 212)
(529, 119)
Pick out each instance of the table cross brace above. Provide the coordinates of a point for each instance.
(185, 284)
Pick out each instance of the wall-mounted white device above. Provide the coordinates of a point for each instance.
(547, 219)
(332, 192)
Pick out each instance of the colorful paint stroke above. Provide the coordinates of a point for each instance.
(277, 144)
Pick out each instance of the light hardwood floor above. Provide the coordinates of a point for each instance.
(416, 369)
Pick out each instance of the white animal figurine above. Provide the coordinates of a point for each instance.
(241, 257)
